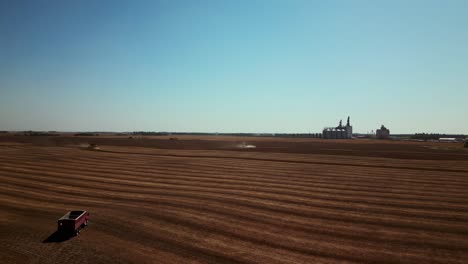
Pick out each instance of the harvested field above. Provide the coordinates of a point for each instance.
(202, 200)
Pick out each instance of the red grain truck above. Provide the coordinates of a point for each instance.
(72, 222)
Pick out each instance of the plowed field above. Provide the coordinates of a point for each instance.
(282, 202)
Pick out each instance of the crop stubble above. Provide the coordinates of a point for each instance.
(153, 205)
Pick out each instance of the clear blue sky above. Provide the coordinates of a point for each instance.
(233, 66)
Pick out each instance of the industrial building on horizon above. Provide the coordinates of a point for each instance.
(339, 132)
(383, 132)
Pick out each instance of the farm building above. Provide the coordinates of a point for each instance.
(339, 132)
(449, 140)
(383, 132)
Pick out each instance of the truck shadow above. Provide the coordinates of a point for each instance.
(56, 237)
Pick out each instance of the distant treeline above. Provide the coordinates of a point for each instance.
(37, 133)
(434, 136)
(85, 134)
(298, 135)
(149, 133)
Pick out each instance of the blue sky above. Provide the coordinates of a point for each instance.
(233, 66)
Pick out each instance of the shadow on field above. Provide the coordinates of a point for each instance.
(56, 237)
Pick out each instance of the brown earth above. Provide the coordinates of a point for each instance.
(208, 200)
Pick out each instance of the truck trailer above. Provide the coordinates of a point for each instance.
(72, 222)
